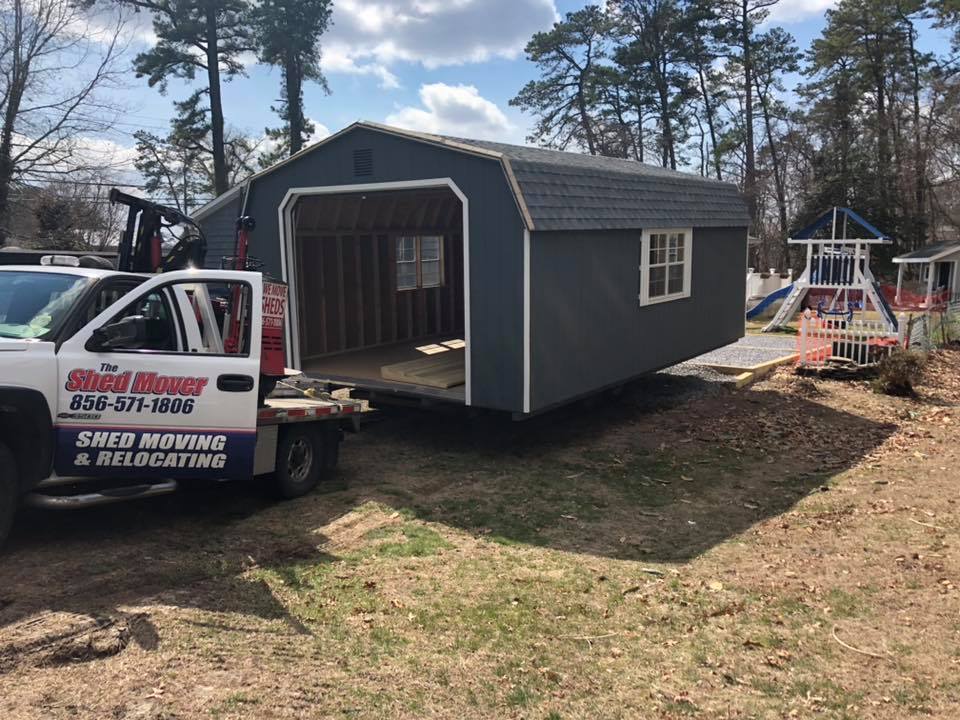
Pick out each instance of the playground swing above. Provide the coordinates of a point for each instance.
(825, 313)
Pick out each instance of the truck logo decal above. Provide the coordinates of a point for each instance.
(140, 383)
(179, 454)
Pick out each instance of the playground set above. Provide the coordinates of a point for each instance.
(845, 314)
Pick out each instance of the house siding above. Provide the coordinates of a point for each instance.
(587, 328)
(220, 231)
(496, 239)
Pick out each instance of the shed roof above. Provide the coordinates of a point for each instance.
(930, 253)
(572, 191)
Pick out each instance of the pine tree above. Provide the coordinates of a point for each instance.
(288, 34)
(180, 167)
(654, 55)
(563, 99)
(208, 36)
(742, 18)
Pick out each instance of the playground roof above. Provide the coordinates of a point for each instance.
(930, 253)
(842, 217)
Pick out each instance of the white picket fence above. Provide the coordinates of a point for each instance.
(858, 342)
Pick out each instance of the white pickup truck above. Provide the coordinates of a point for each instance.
(121, 382)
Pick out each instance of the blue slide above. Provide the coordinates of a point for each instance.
(769, 300)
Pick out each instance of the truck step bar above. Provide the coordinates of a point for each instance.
(104, 497)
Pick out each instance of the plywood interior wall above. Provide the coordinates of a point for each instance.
(346, 264)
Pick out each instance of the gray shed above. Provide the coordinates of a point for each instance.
(491, 275)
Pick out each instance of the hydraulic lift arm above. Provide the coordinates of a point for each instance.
(141, 246)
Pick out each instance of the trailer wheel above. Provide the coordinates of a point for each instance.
(8, 491)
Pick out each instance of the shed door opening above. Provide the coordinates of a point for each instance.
(380, 285)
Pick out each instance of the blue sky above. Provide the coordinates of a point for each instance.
(435, 65)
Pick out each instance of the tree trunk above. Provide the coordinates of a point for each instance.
(17, 80)
(640, 149)
(585, 123)
(220, 181)
(293, 76)
(668, 153)
(6, 165)
(750, 173)
(919, 170)
(711, 121)
(777, 175)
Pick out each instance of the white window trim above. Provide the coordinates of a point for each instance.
(645, 298)
(418, 262)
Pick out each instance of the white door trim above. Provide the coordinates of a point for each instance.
(526, 322)
(287, 255)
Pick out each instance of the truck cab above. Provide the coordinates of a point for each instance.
(124, 377)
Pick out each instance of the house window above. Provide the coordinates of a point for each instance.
(665, 265)
(419, 262)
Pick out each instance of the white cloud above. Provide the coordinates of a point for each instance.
(368, 36)
(454, 110)
(320, 131)
(338, 60)
(787, 11)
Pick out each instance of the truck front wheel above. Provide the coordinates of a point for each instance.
(304, 456)
(8, 490)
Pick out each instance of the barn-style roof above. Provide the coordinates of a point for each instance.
(572, 191)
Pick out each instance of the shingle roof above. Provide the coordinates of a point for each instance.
(929, 253)
(573, 191)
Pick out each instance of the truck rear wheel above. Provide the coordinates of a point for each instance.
(305, 456)
(8, 490)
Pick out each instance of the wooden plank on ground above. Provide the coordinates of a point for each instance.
(443, 371)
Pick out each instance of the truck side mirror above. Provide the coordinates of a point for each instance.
(129, 333)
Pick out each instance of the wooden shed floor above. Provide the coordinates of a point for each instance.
(364, 368)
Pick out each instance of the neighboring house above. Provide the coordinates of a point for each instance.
(501, 277)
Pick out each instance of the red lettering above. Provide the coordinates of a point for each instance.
(75, 380)
(143, 383)
(122, 382)
(149, 383)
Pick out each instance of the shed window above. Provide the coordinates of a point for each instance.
(665, 265)
(419, 262)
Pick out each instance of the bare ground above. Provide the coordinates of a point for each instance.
(684, 550)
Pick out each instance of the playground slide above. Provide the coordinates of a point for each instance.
(885, 309)
(758, 309)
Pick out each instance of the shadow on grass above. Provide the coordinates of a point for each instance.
(643, 476)
(624, 478)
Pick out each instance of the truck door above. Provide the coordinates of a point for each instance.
(146, 388)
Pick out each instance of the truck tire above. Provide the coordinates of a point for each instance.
(8, 491)
(305, 456)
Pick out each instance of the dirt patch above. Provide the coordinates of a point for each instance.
(58, 638)
(686, 550)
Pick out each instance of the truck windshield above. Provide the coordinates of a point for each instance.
(33, 305)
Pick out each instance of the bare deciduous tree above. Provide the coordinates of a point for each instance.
(54, 63)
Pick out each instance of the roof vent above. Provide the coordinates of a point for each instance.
(363, 163)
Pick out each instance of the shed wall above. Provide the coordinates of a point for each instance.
(587, 328)
(496, 239)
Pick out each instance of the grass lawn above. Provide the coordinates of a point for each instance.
(686, 550)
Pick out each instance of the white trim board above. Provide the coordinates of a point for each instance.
(644, 274)
(287, 256)
(526, 323)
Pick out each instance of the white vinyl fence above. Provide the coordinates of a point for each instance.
(858, 342)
